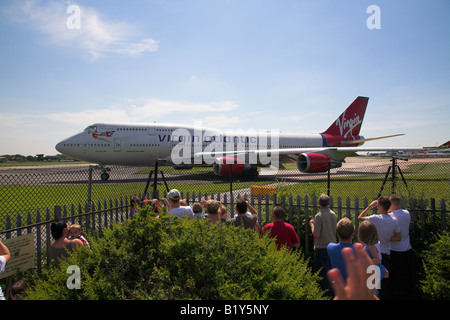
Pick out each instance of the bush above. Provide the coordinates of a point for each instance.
(437, 269)
(172, 258)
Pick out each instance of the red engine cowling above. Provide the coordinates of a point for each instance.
(222, 166)
(315, 162)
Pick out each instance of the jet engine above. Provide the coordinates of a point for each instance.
(315, 162)
(226, 165)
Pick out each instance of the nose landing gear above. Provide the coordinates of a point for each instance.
(104, 175)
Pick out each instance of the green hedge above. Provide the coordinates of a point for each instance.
(173, 258)
(436, 262)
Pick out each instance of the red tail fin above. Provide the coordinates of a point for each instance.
(350, 121)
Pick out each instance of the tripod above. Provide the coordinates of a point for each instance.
(155, 182)
(393, 167)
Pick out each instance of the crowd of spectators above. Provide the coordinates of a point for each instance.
(383, 241)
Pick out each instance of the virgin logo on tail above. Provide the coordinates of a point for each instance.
(344, 126)
(344, 123)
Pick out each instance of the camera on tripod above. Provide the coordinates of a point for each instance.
(394, 167)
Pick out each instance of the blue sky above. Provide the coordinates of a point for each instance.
(290, 65)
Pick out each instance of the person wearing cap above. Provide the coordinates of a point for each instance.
(174, 207)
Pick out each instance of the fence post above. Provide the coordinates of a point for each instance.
(267, 209)
(443, 216)
(8, 226)
(299, 222)
(348, 210)
(291, 218)
(314, 205)
(306, 226)
(433, 210)
(90, 218)
(126, 210)
(339, 208)
(116, 216)
(105, 214)
(422, 216)
(412, 224)
(57, 213)
(89, 195)
(38, 243)
(356, 218)
(47, 233)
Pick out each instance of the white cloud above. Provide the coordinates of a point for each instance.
(29, 133)
(129, 111)
(222, 122)
(86, 117)
(95, 37)
(155, 108)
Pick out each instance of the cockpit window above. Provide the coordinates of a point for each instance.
(91, 128)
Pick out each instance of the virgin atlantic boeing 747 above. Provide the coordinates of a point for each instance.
(239, 151)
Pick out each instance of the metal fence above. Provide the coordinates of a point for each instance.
(428, 217)
(26, 190)
(31, 198)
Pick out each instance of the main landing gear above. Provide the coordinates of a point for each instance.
(104, 175)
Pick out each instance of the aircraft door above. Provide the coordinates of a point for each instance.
(85, 147)
(117, 147)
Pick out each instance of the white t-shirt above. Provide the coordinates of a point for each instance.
(182, 211)
(247, 214)
(2, 269)
(386, 226)
(404, 219)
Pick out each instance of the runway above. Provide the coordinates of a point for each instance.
(79, 173)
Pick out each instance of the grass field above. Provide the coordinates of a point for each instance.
(425, 180)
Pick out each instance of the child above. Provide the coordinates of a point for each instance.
(345, 230)
(75, 233)
(368, 235)
(197, 208)
(223, 214)
(135, 205)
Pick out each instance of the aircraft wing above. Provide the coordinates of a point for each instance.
(313, 150)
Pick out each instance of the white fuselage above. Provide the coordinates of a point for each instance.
(143, 144)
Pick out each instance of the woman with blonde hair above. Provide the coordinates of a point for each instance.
(368, 235)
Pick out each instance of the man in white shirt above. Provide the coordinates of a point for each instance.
(388, 230)
(4, 258)
(401, 262)
(174, 207)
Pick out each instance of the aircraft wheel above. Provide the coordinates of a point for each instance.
(104, 176)
(254, 173)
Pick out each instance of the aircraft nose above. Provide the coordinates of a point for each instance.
(58, 147)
